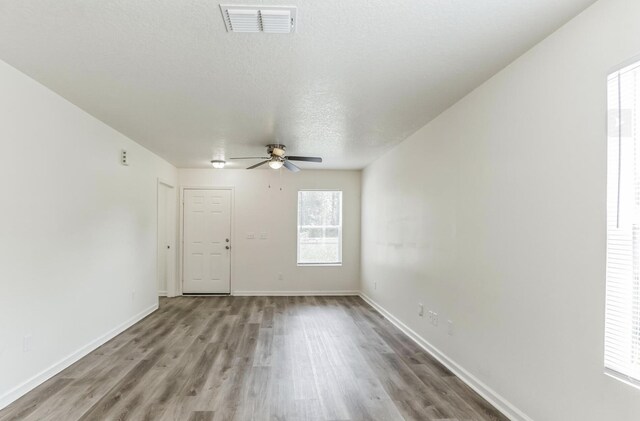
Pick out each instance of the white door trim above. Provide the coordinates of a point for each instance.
(181, 259)
(171, 282)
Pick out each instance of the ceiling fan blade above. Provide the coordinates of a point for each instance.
(257, 165)
(304, 158)
(288, 165)
(252, 157)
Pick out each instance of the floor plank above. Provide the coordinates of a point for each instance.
(256, 358)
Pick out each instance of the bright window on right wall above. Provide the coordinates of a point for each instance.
(622, 318)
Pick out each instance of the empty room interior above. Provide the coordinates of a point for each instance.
(320, 210)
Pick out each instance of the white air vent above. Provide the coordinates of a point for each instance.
(278, 21)
(243, 20)
(271, 19)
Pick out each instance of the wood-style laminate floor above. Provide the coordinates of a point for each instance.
(256, 358)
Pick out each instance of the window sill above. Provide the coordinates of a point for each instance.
(621, 377)
(319, 264)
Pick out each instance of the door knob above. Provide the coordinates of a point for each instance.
(168, 247)
(227, 240)
(227, 247)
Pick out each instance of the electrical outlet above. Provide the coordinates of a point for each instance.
(133, 295)
(450, 327)
(250, 236)
(280, 277)
(375, 285)
(420, 310)
(264, 236)
(27, 343)
(433, 318)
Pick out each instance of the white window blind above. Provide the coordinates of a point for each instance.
(622, 318)
(319, 227)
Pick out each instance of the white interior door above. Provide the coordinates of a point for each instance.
(166, 237)
(207, 242)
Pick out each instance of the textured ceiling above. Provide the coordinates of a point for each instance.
(356, 78)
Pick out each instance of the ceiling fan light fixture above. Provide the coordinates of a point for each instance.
(275, 164)
(218, 163)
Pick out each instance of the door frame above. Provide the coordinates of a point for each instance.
(171, 281)
(232, 239)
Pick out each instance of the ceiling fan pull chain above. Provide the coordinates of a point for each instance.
(270, 178)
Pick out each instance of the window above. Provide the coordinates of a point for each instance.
(622, 318)
(319, 227)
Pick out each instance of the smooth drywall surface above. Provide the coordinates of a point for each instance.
(493, 216)
(265, 201)
(77, 229)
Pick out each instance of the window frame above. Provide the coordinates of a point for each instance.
(340, 230)
(630, 380)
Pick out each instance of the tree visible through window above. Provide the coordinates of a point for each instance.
(319, 227)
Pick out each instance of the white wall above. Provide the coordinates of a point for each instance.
(258, 208)
(493, 215)
(77, 229)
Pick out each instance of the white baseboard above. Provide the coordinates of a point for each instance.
(56, 368)
(291, 293)
(482, 389)
(162, 293)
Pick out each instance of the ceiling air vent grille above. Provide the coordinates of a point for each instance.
(243, 20)
(270, 19)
